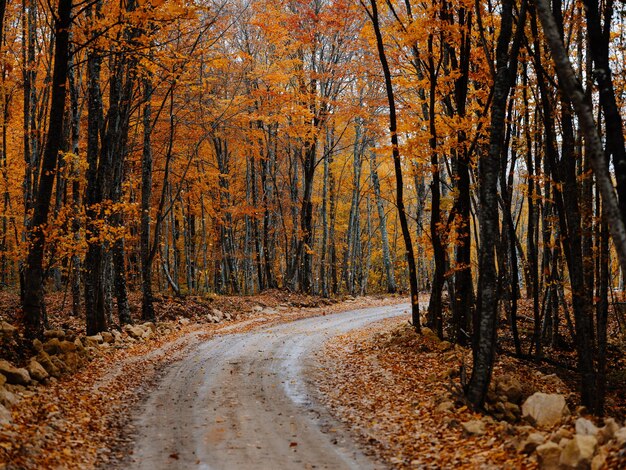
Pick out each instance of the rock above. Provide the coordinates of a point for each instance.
(563, 442)
(475, 427)
(59, 364)
(44, 359)
(15, 388)
(49, 334)
(554, 380)
(511, 388)
(444, 346)
(548, 456)
(52, 346)
(524, 430)
(94, 340)
(257, 308)
(620, 437)
(445, 406)
(134, 331)
(581, 410)
(228, 316)
(430, 334)
(117, 335)
(7, 330)
(7, 398)
(606, 432)
(184, 321)
(149, 325)
(107, 337)
(511, 411)
(560, 434)
(533, 441)
(147, 333)
(72, 362)
(598, 461)
(3, 380)
(5, 416)
(14, 375)
(37, 371)
(492, 397)
(578, 452)
(67, 346)
(217, 313)
(80, 349)
(37, 345)
(584, 427)
(545, 410)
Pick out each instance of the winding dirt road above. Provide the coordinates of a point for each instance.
(240, 401)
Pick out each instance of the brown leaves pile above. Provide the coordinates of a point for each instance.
(387, 387)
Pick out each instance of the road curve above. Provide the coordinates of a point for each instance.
(239, 401)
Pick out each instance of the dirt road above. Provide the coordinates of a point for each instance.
(240, 401)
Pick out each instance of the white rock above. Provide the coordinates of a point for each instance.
(578, 452)
(620, 437)
(548, 456)
(584, 427)
(606, 432)
(545, 410)
(533, 441)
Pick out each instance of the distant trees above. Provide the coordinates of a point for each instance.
(326, 147)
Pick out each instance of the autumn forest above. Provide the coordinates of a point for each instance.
(468, 154)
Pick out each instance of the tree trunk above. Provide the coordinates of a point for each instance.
(406, 234)
(33, 302)
(382, 226)
(484, 343)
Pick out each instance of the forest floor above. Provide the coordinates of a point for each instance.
(84, 420)
(395, 392)
(400, 393)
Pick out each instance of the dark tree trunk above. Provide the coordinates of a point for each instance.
(463, 286)
(435, 307)
(147, 307)
(484, 343)
(397, 163)
(33, 276)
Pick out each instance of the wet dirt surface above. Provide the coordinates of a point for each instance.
(244, 401)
